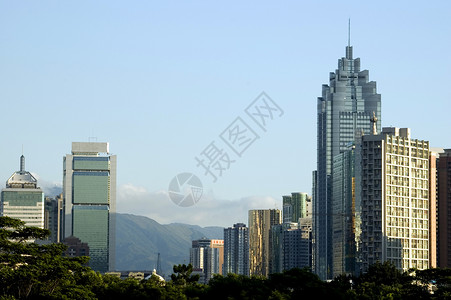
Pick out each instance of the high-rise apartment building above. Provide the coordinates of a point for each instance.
(344, 110)
(22, 198)
(296, 248)
(394, 198)
(291, 246)
(89, 191)
(260, 244)
(444, 209)
(236, 250)
(206, 257)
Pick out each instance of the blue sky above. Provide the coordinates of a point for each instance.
(161, 80)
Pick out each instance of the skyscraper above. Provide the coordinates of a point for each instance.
(344, 213)
(344, 110)
(22, 198)
(444, 209)
(294, 207)
(394, 200)
(89, 191)
(260, 244)
(236, 250)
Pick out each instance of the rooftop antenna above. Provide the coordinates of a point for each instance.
(159, 271)
(349, 32)
(349, 48)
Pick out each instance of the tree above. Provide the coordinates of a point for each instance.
(28, 269)
(385, 281)
(182, 275)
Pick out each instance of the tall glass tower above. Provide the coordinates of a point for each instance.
(260, 242)
(344, 111)
(89, 191)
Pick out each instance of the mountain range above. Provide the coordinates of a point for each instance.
(139, 239)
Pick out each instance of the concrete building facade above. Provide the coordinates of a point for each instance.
(395, 205)
(207, 257)
(236, 250)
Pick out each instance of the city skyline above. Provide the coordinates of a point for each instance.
(174, 78)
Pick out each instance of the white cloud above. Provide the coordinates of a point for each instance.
(50, 189)
(209, 211)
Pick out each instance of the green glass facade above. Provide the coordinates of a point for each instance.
(91, 226)
(91, 163)
(89, 200)
(23, 198)
(24, 204)
(91, 187)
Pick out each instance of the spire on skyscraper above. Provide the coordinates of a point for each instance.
(349, 48)
(22, 164)
(349, 32)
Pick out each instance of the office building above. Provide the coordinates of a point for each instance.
(294, 207)
(22, 198)
(344, 213)
(344, 110)
(444, 208)
(53, 209)
(394, 199)
(260, 243)
(89, 191)
(236, 250)
(276, 259)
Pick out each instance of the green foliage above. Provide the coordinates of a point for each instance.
(32, 271)
(182, 275)
(28, 269)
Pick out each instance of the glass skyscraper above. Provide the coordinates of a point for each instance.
(345, 221)
(294, 207)
(344, 111)
(89, 190)
(260, 242)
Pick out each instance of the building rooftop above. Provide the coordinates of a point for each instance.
(22, 178)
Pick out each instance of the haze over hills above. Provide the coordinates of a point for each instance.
(139, 239)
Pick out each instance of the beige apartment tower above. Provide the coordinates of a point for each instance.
(395, 200)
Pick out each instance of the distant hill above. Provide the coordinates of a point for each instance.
(139, 240)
